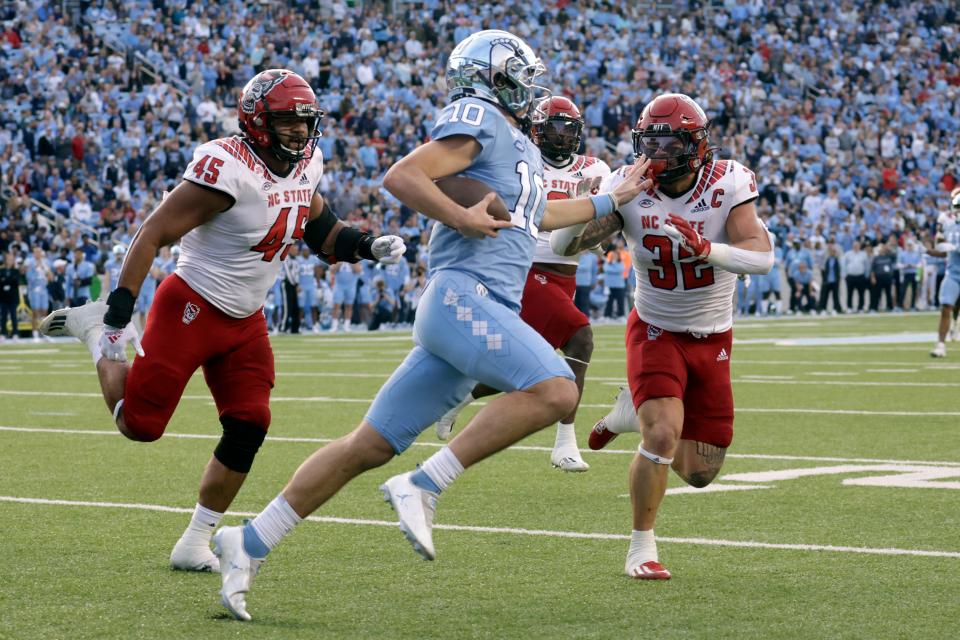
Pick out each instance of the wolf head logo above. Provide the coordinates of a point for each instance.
(258, 90)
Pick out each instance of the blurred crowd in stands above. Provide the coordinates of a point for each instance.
(848, 112)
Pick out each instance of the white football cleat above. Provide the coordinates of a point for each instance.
(446, 423)
(621, 419)
(955, 330)
(237, 570)
(568, 459)
(77, 322)
(188, 556)
(415, 508)
(939, 351)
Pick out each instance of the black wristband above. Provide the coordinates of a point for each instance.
(120, 305)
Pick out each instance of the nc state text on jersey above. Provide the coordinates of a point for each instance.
(653, 222)
(290, 196)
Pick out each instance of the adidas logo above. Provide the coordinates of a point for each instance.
(701, 206)
(722, 355)
(577, 174)
(304, 179)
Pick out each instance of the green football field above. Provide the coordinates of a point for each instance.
(837, 514)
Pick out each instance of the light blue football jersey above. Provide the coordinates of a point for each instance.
(511, 165)
(951, 234)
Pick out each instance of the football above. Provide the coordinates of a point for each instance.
(467, 192)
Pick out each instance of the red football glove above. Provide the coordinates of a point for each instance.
(681, 231)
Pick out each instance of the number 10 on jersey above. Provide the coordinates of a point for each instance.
(526, 208)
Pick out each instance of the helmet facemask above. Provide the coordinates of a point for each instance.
(673, 154)
(311, 114)
(557, 137)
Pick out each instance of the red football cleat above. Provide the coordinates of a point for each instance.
(651, 570)
(600, 436)
(621, 419)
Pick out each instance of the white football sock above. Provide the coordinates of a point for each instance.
(566, 436)
(643, 548)
(202, 524)
(275, 522)
(443, 468)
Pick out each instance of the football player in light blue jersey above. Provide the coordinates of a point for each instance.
(345, 279)
(467, 328)
(39, 274)
(308, 286)
(113, 264)
(948, 246)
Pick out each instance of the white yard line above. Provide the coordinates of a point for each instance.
(893, 370)
(850, 383)
(437, 445)
(585, 405)
(745, 544)
(753, 376)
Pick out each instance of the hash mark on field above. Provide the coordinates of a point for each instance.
(763, 377)
(748, 544)
(438, 445)
(892, 370)
(832, 373)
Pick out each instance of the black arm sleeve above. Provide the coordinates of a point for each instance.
(319, 228)
(353, 244)
(86, 282)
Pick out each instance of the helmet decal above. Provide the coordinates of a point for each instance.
(259, 88)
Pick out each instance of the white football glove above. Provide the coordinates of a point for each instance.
(388, 249)
(113, 342)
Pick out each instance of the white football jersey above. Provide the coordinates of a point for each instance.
(233, 260)
(680, 296)
(558, 182)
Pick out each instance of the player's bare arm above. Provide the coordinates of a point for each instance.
(188, 206)
(745, 229)
(411, 181)
(565, 213)
(593, 234)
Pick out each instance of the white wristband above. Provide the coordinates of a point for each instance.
(738, 260)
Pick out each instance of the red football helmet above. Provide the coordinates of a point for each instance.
(672, 132)
(557, 128)
(279, 93)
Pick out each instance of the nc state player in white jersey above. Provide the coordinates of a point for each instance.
(244, 201)
(689, 237)
(547, 303)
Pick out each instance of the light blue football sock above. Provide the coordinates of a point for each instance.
(252, 544)
(425, 482)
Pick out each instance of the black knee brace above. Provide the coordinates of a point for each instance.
(239, 444)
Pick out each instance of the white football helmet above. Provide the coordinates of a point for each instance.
(498, 67)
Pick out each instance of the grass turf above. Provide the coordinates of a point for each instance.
(100, 572)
